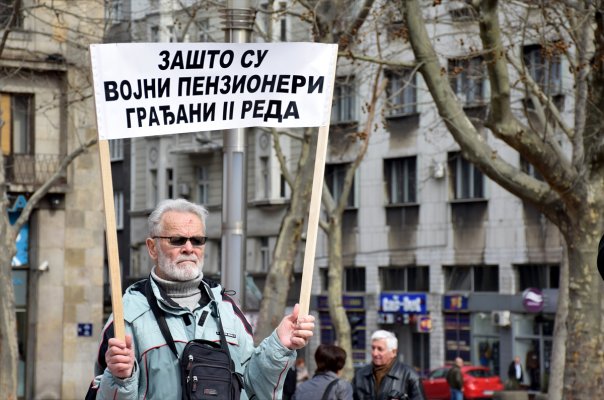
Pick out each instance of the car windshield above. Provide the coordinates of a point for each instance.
(480, 373)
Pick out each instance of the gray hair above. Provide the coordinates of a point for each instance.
(178, 205)
(389, 337)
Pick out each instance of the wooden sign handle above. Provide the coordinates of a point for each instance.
(112, 249)
(313, 220)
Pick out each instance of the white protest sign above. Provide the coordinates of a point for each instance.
(144, 89)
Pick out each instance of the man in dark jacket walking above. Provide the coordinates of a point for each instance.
(455, 380)
(386, 378)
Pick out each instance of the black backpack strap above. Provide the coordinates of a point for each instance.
(160, 317)
(329, 388)
(216, 315)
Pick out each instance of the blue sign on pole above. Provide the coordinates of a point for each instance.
(22, 242)
(403, 303)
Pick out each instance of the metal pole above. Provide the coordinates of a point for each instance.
(239, 21)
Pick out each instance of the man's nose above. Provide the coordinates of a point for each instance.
(187, 247)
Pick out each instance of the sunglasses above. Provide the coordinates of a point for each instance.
(179, 241)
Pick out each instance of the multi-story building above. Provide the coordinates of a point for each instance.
(433, 250)
(46, 112)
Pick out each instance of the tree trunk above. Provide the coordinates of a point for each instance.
(584, 367)
(278, 280)
(560, 335)
(9, 352)
(337, 312)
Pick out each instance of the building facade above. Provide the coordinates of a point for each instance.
(433, 250)
(47, 113)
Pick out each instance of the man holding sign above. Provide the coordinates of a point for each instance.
(144, 365)
(144, 89)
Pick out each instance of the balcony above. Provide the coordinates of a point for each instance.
(28, 171)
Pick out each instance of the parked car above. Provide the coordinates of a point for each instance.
(478, 383)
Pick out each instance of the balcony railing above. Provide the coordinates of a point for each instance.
(32, 169)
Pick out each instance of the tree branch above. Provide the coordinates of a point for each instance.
(9, 25)
(542, 152)
(472, 143)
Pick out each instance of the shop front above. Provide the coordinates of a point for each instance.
(406, 314)
(355, 311)
(514, 325)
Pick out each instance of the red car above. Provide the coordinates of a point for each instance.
(478, 383)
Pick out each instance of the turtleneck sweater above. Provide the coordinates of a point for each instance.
(186, 293)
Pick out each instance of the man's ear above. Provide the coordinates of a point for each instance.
(151, 247)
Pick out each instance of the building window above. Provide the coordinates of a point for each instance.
(16, 123)
(283, 22)
(265, 254)
(544, 67)
(468, 80)
(538, 276)
(265, 177)
(118, 201)
(154, 34)
(343, 109)
(7, 9)
(405, 279)
(265, 17)
(401, 92)
(172, 35)
(354, 279)
(324, 272)
(116, 9)
(401, 179)
(203, 30)
(170, 183)
(116, 149)
(334, 178)
(475, 278)
(203, 185)
(529, 169)
(467, 180)
(283, 187)
(153, 188)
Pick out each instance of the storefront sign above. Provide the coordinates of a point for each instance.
(532, 300)
(455, 303)
(403, 303)
(424, 324)
(349, 302)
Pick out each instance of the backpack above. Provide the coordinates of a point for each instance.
(206, 368)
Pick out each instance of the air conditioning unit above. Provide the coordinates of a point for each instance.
(500, 318)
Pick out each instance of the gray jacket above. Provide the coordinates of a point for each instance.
(314, 388)
(156, 373)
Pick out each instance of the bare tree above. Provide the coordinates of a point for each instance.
(334, 208)
(571, 191)
(329, 22)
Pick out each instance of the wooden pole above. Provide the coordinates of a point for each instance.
(313, 220)
(112, 249)
(315, 202)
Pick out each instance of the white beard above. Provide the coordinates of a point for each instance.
(180, 273)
